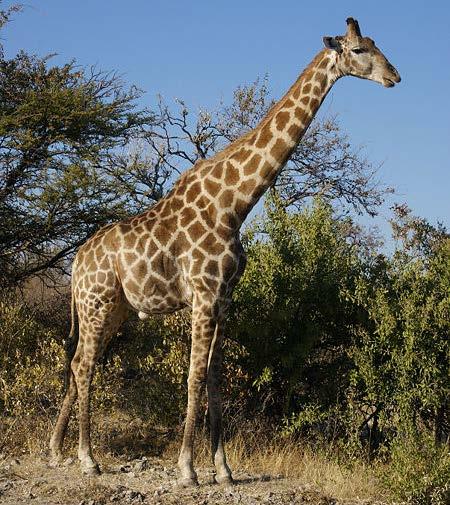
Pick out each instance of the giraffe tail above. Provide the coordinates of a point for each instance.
(71, 342)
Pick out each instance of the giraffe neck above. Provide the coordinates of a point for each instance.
(245, 169)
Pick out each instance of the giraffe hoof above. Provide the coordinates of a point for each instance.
(91, 470)
(188, 482)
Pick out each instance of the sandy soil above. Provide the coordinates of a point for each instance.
(152, 481)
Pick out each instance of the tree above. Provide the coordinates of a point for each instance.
(400, 357)
(289, 310)
(401, 351)
(5, 15)
(70, 161)
(77, 152)
(324, 163)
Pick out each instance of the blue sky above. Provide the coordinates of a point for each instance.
(201, 50)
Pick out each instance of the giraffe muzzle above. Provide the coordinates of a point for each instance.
(393, 79)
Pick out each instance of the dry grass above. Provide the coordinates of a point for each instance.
(254, 453)
(251, 452)
(329, 476)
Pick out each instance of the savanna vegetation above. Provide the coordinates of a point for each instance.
(337, 352)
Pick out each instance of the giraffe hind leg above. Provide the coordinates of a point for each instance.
(59, 432)
(96, 331)
(83, 373)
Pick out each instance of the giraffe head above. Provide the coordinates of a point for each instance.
(360, 57)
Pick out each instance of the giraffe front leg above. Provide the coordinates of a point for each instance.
(203, 326)
(223, 472)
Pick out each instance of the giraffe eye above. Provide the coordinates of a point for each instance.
(358, 50)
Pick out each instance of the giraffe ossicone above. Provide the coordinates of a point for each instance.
(185, 250)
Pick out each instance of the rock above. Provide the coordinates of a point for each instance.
(136, 466)
(120, 491)
(5, 485)
(68, 462)
(137, 497)
(160, 490)
(10, 465)
(229, 492)
(140, 465)
(125, 494)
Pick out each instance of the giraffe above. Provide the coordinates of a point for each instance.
(185, 250)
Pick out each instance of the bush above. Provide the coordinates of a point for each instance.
(419, 471)
(151, 360)
(290, 311)
(326, 341)
(31, 363)
(401, 351)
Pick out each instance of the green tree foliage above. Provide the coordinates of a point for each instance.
(401, 357)
(325, 341)
(61, 131)
(5, 15)
(402, 351)
(290, 302)
(349, 345)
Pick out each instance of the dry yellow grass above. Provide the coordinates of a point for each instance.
(254, 453)
(249, 452)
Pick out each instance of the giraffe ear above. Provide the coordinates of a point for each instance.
(332, 43)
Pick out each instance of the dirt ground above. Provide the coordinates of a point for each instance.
(153, 481)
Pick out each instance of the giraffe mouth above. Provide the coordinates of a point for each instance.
(388, 83)
(392, 80)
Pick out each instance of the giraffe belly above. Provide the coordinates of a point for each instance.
(156, 298)
(153, 282)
